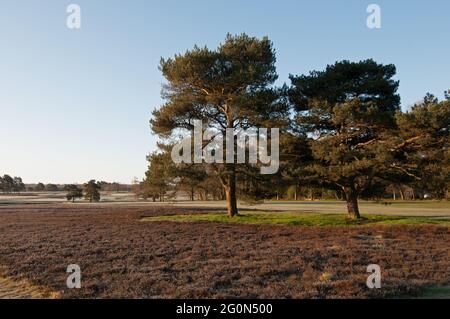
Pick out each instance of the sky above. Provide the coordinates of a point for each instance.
(75, 103)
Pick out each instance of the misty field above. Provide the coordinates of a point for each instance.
(137, 251)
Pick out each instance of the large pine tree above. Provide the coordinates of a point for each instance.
(229, 87)
(345, 113)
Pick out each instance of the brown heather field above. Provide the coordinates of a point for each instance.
(122, 257)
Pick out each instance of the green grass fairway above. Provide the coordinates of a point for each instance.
(302, 219)
(436, 292)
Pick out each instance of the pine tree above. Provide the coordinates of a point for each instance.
(229, 87)
(92, 191)
(424, 145)
(73, 192)
(346, 112)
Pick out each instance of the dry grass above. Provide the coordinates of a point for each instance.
(122, 257)
(22, 289)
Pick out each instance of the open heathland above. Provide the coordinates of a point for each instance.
(123, 255)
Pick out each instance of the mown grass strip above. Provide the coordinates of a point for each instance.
(301, 219)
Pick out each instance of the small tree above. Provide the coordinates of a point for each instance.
(73, 192)
(40, 187)
(92, 191)
(136, 188)
(159, 176)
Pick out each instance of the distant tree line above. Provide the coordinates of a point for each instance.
(105, 186)
(90, 190)
(40, 187)
(10, 184)
(343, 133)
(114, 187)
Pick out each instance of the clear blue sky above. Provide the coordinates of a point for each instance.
(75, 104)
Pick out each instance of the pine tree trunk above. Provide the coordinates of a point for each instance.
(402, 193)
(230, 195)
(311, 195)
(230, 183)
(351, 197)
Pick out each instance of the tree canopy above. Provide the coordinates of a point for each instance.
(92, 191)
(229, 87)
(342, 129)
(346, 112)
(73, 192)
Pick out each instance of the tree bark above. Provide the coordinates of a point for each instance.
(402, 193)
(230, 194)
(351, 197)
(230, 180)
(311, 194)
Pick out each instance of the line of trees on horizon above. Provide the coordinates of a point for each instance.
(10, 184)
(342, 130)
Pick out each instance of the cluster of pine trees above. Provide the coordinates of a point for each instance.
(342, 128)
(91, 191)
(10, 184)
